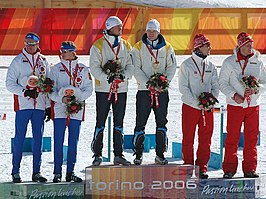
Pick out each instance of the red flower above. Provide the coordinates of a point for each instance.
(74, 107)
(204, 101)
(48, 89)
(162, 78)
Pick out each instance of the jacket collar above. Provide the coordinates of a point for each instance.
(253, 55)
(29, 56)
(160, 41)
(67, 62)
(198, 59)
(111, 38)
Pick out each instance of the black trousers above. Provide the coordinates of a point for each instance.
(102, 110)
(143, 110)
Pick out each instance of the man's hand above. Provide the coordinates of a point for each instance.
(238, 98)
(31, 93)
(47, 114)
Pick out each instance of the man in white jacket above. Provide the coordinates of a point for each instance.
(110, 51)
(28, 103)
(152, 55)
(242, 105)
(72, 83)
(197, 75)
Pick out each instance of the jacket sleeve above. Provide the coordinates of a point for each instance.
(214, 82)
(87, 88)
(96, 63)
(47, 99)
(54, 76)
(171, 64)
(129, 68)
(12, 79)
(183, 83)
(224, 80)
(262, 79)
(139, 74)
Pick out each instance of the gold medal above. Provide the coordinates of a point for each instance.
(156, 65)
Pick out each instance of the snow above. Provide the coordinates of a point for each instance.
(84, 157)
(202, 3)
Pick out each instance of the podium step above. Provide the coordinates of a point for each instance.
(30, 190)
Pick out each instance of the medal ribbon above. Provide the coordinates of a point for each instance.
(152, 54)
(203, 70)
(118, 49)
(33, 66)
(243, 67)
(69, 73)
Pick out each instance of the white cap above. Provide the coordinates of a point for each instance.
(153, 25)
(112, 22)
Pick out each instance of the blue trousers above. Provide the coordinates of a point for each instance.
(21, 123)
(59, 136)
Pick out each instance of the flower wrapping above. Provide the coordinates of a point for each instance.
(113, 69)
(158, 82)
(44, 85)
(251, 83)
(207, 100)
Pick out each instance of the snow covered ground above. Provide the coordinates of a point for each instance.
(202, 3)
(84, 158)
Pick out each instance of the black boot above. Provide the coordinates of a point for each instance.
(121, 160)
(161, 160)
(97, 160)
(138, 159)
(72, 177)
(57, 178)
(37, 177)
(16, 178)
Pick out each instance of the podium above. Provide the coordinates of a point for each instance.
(31, 190)
(143, 181)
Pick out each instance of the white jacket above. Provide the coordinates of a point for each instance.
(143, 61)
(19, 70)
(230, 78)
(100, 53)
(83, 88)
(190, 83)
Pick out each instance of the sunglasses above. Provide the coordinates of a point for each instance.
(66, 50)
(30, 43)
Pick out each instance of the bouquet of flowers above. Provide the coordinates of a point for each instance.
(44, 85)
(207, 100)
(73, 106)
(113, 69)
(251, 83)
(158, 82)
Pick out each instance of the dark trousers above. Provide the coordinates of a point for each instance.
(143, 110)
(102, 110)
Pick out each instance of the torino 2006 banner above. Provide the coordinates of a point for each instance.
(163, 181)
(84, 25)
(151, 181)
